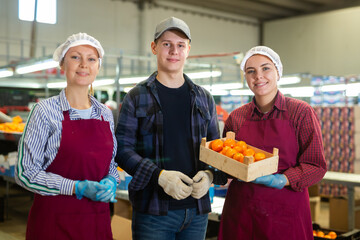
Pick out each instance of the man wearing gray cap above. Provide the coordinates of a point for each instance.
(160, 127)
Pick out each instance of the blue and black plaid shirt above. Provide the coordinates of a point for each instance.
(139, 135)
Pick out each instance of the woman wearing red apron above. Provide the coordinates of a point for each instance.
(66, 153)
(274, 206)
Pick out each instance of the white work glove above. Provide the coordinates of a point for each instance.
(176, 184)
(202, 182)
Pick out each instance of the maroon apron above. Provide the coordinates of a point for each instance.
(85, 153)
(253, 211)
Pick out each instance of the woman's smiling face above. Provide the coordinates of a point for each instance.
(261, 75)
(81, 65)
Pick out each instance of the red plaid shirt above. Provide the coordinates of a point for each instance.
(311, 165)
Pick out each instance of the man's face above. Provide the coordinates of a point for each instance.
(171, 49)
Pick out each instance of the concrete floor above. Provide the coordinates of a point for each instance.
(14, 225)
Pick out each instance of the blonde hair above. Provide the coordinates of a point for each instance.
(91, 91)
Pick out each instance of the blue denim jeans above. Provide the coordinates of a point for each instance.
(184, 224)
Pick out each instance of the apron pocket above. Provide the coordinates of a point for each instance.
(83, 226)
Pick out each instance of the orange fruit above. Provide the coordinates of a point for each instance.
(217, 145)
(327, 236)
(332, 234)
(242, 145)
(230, 152)
(229, 142)
(238, 149)
(314, 233)
(239, 157)
(320, 234)
(259, 156)
(224, 150)
(249, 152)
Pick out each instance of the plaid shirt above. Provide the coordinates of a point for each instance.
(311, 165)
(140, 143)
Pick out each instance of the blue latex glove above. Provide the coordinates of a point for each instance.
(275, 181)
(107, 195)
(88, 189)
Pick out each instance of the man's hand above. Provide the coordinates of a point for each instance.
(202, 182)
(176, 184)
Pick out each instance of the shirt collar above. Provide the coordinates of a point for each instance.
(65, 106)
(279, 104)
(151, 80)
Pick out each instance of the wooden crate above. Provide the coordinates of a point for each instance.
(247, 171)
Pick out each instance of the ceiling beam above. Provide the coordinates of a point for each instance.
(290, 4)
(324, 2)
(251, 5)
(330, 5)
(245, 8)
(223, 8)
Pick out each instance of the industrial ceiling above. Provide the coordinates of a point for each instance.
(263, 10)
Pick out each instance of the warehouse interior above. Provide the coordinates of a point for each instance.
(316, 39)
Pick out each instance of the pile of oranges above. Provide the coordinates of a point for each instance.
(236, 150)
(16, 125)
(330, 235)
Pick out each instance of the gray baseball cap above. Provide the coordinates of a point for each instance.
(172, 23)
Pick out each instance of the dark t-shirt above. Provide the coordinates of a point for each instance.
(178, 149)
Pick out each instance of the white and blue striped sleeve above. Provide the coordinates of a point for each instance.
(30, 168)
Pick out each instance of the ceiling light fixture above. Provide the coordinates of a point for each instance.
(6, 72)
(36, 66)
(289, 80)
(298, 91)
(223, 86)
(242, 92)
(208, 74)
(134, 80)
(57, 84)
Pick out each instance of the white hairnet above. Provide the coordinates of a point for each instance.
(76, 40)
(266, 51)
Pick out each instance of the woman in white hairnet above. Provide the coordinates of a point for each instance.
(273, 206)
(66, 153)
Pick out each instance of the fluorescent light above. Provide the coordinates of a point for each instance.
(132, 80)
(353, 90)
(223, 86)
(333, 88)
(298, 91)
(243, 92)
(219, 92)
(19, 84)
(37, 66)
(57, 84)
(295, 92)
(103, 82)
(289, 80)
(198, 75)
(6, 72)
(194, 75)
